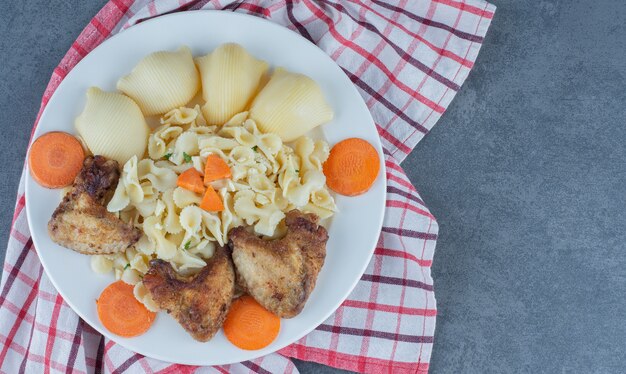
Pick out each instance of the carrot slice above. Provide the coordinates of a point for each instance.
(250, 326)
(55, 159)
(215, 168)
(211, 202)
(121, 313)
(352, 167)
(191, 180)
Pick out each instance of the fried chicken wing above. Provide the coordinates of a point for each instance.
(280, 274)
(199, 303)
(81, 222)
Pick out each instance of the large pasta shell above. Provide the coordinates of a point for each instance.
(112, 126)
(162, 81)
(230, 77)
(290, 105)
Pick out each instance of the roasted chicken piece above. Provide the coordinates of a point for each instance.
(199, 303)
(280, 274)
(81, 222)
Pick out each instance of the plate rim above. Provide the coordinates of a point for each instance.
(198, 13)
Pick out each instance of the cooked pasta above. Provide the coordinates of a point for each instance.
(113, 126)
(230, 77)
(290, 105)
(162, 81)
(267, 179)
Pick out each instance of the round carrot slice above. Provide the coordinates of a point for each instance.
(121, 313)
(55, 159)
(352, 167)
(250, 326)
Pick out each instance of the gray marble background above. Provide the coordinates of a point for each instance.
(525, 173)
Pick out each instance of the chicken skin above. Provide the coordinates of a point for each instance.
(199, 303)
(281, 274)
(81, 222)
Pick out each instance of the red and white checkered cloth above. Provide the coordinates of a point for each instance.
(408, 59)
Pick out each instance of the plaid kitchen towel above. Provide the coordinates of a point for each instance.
(408, 59)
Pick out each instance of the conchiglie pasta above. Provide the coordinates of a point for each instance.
(230, 77)
(162, 81)
(290, 105)
(113, 126)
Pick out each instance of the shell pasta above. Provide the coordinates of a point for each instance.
(162, 81)
(230, 77)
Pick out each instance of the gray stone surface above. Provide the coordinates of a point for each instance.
(525, 173)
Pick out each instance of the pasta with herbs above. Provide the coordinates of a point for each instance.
(269, 178)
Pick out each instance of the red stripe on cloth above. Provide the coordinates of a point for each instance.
(392, 139)
(60, 71)
(390, 308)
(30, 282)
(369, 319)
(419, 356)
(401, 254)
(16, 310)
(100, 27)
(19, 236)
(385, 41)
(434, 48)
(352, 362)
(186, 369)
(400, 204)
(371, 57)
(334, 338)
(469, 47)
(13, 274)
(398, 180)
(52, 331)
(122, 6)
(35, 357)
(79, 49)
(466, 8)
(21, 202)
(18, 322)
(430, 22)
(396, 167)
(429, 15)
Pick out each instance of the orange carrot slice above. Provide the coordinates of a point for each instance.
(215, 168)
(211, 202)
(55, 159)
(352, 167)
(191, 180)
(121, 313)
(250, 326)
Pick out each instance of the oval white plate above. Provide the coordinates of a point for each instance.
(353, 231)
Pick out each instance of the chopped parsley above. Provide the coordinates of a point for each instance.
(187, 245)
(186, 157)
(167, 156)
(255, 148)
(127, 266)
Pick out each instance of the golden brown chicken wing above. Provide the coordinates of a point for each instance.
(280, 274)
(82, 223)
(199, 303)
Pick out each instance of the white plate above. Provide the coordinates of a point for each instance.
(353, 231)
